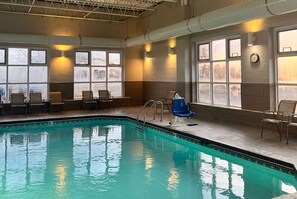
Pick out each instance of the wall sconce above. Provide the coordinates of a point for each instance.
(250, 39)
(146, 54)
(62, 53)
(171, 51)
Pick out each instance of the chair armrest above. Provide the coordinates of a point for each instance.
(291, 117)
(285, 116)
(266, 112)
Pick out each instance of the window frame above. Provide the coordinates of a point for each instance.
(284, 29)
(5, 56)
(28, 65)
(279, 54)
(30, 57)
(91, 66)
(211, 63)
(82, 51)
(209, 50)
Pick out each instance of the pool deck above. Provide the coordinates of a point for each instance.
(235, 135)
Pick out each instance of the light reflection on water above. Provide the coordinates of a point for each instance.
(115, 161)
(61, 184)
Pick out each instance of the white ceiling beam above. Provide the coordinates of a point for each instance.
(66, 9)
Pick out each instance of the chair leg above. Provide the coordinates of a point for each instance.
(288, 134)
(262, 129)
(280, 132)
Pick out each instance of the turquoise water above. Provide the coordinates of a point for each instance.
(111, 160)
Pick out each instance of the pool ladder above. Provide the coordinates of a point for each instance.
(151, 104)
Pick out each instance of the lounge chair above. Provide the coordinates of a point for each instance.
(291, 123)
(56, 100)
(18, 101)
(167, 101)
(36, 101)
(88, 99)
(285, 109)
(104, 97)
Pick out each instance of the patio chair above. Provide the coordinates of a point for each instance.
(104, 97)
(18, 101)
(88, 99)
(56, 100)
(167, 101)
(291, 123)
(36, 101)
(285, 109)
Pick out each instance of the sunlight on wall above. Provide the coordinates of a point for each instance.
(254, 26)
(148, 63)
(62, 62)
(62, 47)
(171, 61)
(61, 70)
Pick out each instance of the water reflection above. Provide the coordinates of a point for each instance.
(96, 151)
(61, 184)
(22, 159)
(115, 161)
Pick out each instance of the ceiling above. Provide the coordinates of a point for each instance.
(97, 10)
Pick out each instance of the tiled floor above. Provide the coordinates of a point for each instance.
(243, 137)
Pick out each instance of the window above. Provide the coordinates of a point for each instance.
(103, 73)
(24, 71)
(286, 64)
(219, 72)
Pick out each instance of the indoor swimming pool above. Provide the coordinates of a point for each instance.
(110, 159)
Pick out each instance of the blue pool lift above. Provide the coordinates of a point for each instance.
(181, 109)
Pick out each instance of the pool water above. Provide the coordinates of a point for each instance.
(110, 159)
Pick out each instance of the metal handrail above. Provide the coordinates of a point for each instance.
(161, 104)
(153, 105)
(144, 107)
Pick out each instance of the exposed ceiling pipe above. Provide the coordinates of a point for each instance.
(223, 17)
(231, 15)
(61, 40)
